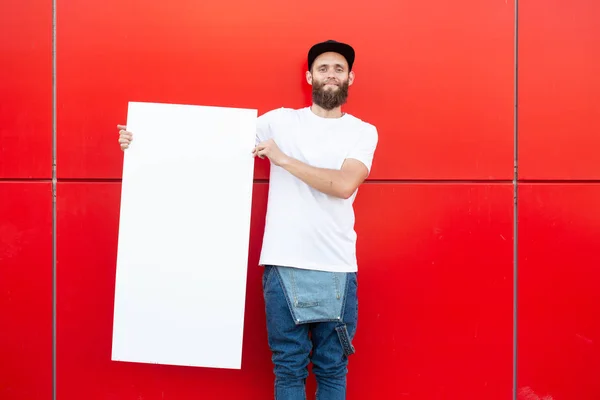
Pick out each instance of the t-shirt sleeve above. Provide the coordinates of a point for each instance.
(364, 148)
(263, 125)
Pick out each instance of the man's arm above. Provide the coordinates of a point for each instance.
(340, 183)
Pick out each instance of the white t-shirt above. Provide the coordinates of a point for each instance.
(306, 228)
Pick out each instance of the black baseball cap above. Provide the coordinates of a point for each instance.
(331, 45)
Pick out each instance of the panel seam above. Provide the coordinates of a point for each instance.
(54, 198)
(515, 200)
(368, 182)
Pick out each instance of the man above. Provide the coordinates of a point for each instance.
(319, 156)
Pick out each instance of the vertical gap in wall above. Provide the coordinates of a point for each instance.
(515, 197)
(54, 199)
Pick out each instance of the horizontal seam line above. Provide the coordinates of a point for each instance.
(370, 181)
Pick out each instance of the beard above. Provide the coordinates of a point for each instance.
(329, 99)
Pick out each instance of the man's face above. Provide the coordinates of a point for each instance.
(330, 80)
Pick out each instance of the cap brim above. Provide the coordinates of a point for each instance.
(342, 48)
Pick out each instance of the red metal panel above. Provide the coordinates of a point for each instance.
(559, 89)
(559, 300)
(88, 215)
(25, 89)
(435, 290)
(25, 291)
(435, 77)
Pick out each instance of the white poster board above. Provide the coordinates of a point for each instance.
(184, 235)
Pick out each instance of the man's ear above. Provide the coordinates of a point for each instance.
(309, 77)
(351, 77)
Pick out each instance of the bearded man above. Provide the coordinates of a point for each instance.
(319, 157)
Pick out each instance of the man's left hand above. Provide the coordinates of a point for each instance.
(270, 150)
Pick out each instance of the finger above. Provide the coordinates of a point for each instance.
(263, 153)
(122, 127)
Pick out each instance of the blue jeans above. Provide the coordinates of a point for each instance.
(293, 345)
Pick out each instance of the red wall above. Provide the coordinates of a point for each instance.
(437, 215)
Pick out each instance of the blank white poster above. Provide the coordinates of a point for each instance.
(184, 235)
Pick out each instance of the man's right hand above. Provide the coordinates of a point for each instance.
(125, 137)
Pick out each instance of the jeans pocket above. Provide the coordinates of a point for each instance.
(268, 271)
(345, 340)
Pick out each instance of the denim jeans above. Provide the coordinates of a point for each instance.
(327, 343)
